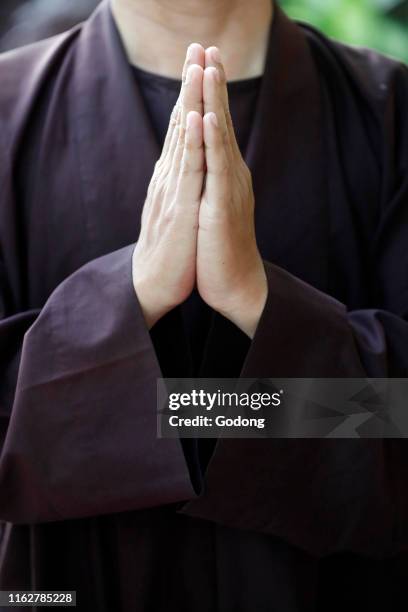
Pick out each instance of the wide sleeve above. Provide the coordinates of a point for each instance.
(77, 411)
(328, 495)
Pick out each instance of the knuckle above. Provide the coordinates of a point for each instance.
(185, 169)
(182, 134)
(188, 169)
(169, 214)
(191, 147)
(187, 63)
(159, 188)
(186, 76)
(174, 119)
(176, 114)
(224, 169)
(161, 192)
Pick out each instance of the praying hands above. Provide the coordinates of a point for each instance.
(198, 219)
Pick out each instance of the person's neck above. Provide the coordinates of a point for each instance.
(156, 33)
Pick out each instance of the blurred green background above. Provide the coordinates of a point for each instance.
(379, 24)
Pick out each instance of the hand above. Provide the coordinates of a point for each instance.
(164, 258)
(230, 273)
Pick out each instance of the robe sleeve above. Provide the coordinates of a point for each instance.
(327, 495)
(77, 403)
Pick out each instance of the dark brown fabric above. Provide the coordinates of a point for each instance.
(93, 501)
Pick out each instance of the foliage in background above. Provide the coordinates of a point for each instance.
(379, 24)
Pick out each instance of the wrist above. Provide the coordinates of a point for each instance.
(246, 307)
(151, 307)
(151, 304)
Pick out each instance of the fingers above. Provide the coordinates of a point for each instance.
(213, 60)
(174, 119)
(190, 97)
(195, 55)
(217, 185)
(190, 180)
(212, 98)
(192, 101)
(213, 104)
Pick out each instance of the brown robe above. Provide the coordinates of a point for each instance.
(90, 499)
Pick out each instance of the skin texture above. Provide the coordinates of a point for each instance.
(198, 218)
(237, 27)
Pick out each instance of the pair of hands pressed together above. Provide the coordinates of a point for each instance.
(198, 218)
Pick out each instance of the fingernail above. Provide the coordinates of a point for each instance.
(215, 54)
(214, 119)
